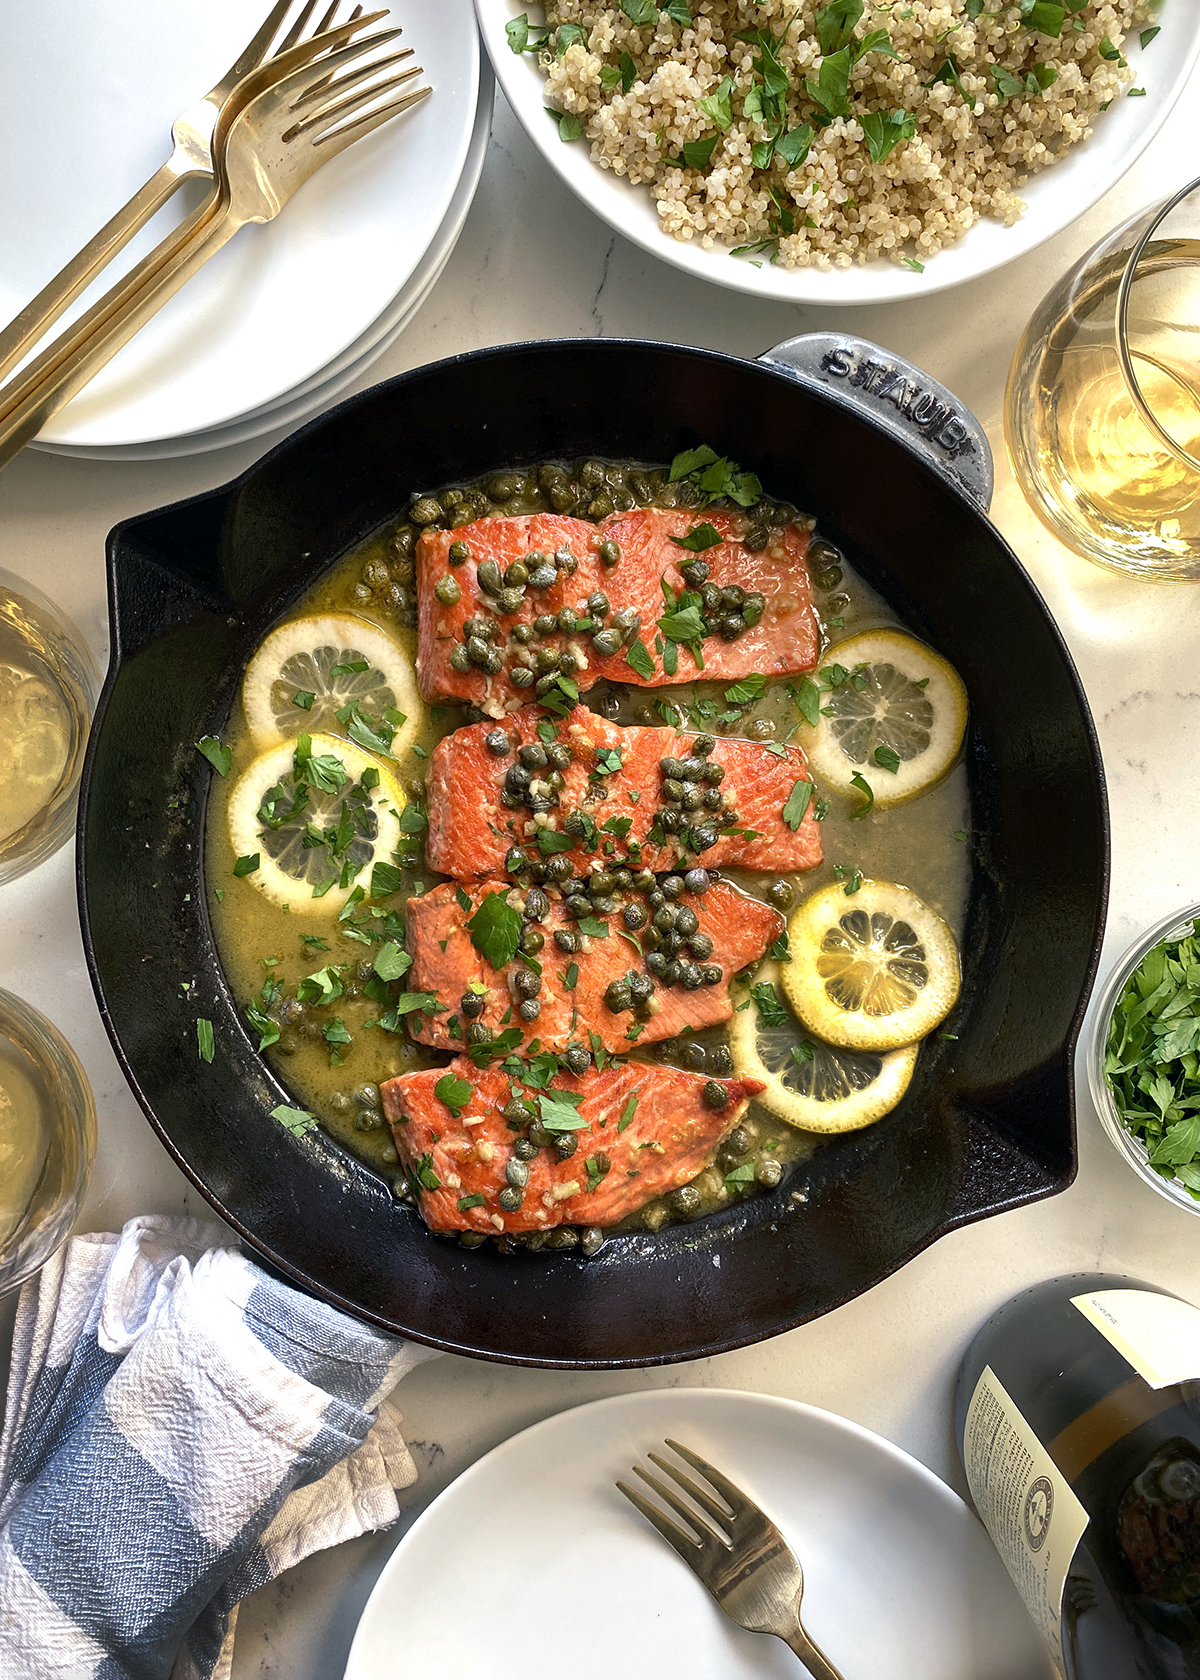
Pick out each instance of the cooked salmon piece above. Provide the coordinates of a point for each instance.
(566, 557)
(446, 963)
(471, 828)
(646, 1130)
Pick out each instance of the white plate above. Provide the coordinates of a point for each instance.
(90, 96)
(1054, 198)
(321, 390)
(532, 1564)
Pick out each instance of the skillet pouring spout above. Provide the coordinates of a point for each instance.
(988, 1121)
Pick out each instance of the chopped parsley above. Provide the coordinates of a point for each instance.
(559, 1111)
(477, 1199)
(248, 864)
(495, 929)
(597, 1166)
(205, 1042)
(887, 759)
(639, 660)
(859, 781)
(771, 1012)
(295, 1120)
(454, 1092)
(797, 804)
(209, 746)
(699, 539)
(628, 1112)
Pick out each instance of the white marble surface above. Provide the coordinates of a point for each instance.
(533, 262)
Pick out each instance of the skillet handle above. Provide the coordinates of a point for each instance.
(921, 414)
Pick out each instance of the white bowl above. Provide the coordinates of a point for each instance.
(1054, 198)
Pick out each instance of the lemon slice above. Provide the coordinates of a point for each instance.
(343, 801)
(827, 1089)
(900, 702)
(872, 970)
(318, 658)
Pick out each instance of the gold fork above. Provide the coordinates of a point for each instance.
(191, 157)
(269, 149)
(744, 1560)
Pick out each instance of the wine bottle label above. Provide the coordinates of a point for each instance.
(1026, 1504)
(1157, 1334)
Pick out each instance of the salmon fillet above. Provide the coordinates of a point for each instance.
(784, 639)
(471, 828)
(446, 963)
(647, 1130)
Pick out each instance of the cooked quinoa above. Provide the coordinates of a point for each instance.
(966, 109)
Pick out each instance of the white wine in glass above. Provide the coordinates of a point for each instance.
(1102, 412)
(48, 687)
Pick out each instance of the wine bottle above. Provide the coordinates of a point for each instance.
(1078, 1421)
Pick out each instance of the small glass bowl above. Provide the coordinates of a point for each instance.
(1126, 1145)
(41, 1059)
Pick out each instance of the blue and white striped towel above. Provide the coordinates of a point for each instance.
(180, 1428)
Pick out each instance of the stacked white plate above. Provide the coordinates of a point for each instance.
(289, 314)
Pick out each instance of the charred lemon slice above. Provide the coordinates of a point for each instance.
(872, 970)
(309, 819)
(311, 669)
(812, 1085)
(896, 714)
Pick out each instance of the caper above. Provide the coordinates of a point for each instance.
(516, 1114)
(703, 837)
(609, 553)
(478, 651)
(516, 1172)
(496, 741)
(510, 600)
(545, 660)
(592, 1240)
(672, 789)
(711, 975)
(664, 919)
(567, 664)
(672, 886)
(762, 729)
(523, 1148)
(488, 575)
(753, 609)
(567, 941)
(447, 591)
(537, 905)
(565, 1145)
(530, 1009)
(526, 984)
(693, 1057)
(484, 628)
(566, 561)
(478, 1033)
(510, 1198)
(671, 943)
(641, 989)
(531, 941)
(768, 1173)
(598, 604)
(559, 754)
(567, 620)
(551, 473)
(686, 921)
(690, 976)
(696, 573)
(517, 778)
(670, 974)
(520, 676)
(577, 1059)
(656, 963)
(685, 1200)
(541, 577)
(781, 893)
(578, 906)
(493, 664)
(472, 714)
(710, 598)
(541, 1135)
(691, 798)
(607, 642)
(361, 593)
(757, 538)
(634, 917)
(460, 659)
(644, 880)
(556, 869)
(425, 511)
(656, 898)
(532, 755)
(700, 946)
(618, 997)
(711, 799)
(714, 773)
(471, 1004)
(822, 554)
(502, 488)
(686, 493)
(522, 633)
(729, 627)
(592, 474)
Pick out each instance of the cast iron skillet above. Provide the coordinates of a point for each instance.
(894, 475)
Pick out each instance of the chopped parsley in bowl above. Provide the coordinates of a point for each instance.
(1144, 1057)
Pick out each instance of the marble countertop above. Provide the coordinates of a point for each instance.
(533, 262)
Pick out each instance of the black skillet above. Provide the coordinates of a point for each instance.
(899, 477)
